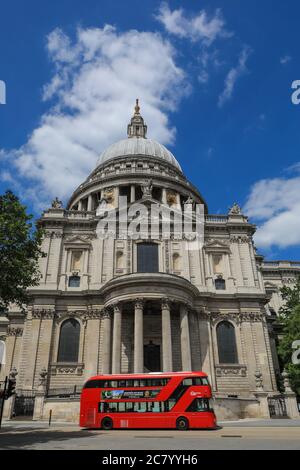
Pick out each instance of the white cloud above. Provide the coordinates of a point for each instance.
(285, 59)
(93, 89)
(197, 28)
(275, 203)
(233, 75)
(202, 30)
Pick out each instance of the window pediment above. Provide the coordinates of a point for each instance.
(216, 246)
(79, 242)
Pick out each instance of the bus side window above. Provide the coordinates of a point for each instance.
(129, 407)
(121, 407)
(103, 407)
(156, 407)
(140, 407)
(136, 383)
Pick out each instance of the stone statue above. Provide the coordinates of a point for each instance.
(43, 377)
(235, 210)
(13, 374)
(189, 200)
(56, 204)
(286, 382)
(147, 188)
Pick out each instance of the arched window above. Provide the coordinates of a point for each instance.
(69, 341)
(226, 343)
(147, 258)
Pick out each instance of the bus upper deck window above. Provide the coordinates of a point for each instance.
(187, 382)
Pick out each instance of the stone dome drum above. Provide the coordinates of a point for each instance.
(138, 146)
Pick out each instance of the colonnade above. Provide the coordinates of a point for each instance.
(113, 319)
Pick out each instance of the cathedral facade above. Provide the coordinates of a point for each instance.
(122, 304)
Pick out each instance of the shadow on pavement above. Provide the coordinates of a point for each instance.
(12, 439)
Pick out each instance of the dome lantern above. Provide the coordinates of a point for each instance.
(137, 127)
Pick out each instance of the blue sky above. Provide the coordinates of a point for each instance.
(214, 80)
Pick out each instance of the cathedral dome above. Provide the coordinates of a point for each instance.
(137, 144)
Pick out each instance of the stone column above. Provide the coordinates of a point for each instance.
(164, 196)
(132, 193)
(185, 339)
(116, 353)
(80, 205)
(90, 203)
(138, 336)
(106, 318)
(166, 336)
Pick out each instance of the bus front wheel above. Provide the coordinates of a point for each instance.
(182, 424)
(107, 424)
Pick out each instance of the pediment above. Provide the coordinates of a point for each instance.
(217, 246)
(78, 241)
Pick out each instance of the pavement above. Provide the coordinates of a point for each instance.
(237, 435)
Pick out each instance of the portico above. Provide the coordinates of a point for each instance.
(159, 309)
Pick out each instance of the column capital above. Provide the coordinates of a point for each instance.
(117, 307)
(106, 313)
(139, 303)
(165, 303)
(185, 306)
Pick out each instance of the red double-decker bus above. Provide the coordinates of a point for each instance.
(179, 400)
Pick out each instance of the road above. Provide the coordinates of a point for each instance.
(241, 435)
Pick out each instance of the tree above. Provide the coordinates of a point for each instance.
(291, 298)
(290, 320)
(20, 250)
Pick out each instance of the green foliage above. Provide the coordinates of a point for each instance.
(20, 250)
(290, 319)
(291, 298)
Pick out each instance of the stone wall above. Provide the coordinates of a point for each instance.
(62, 410)
(230, 409)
